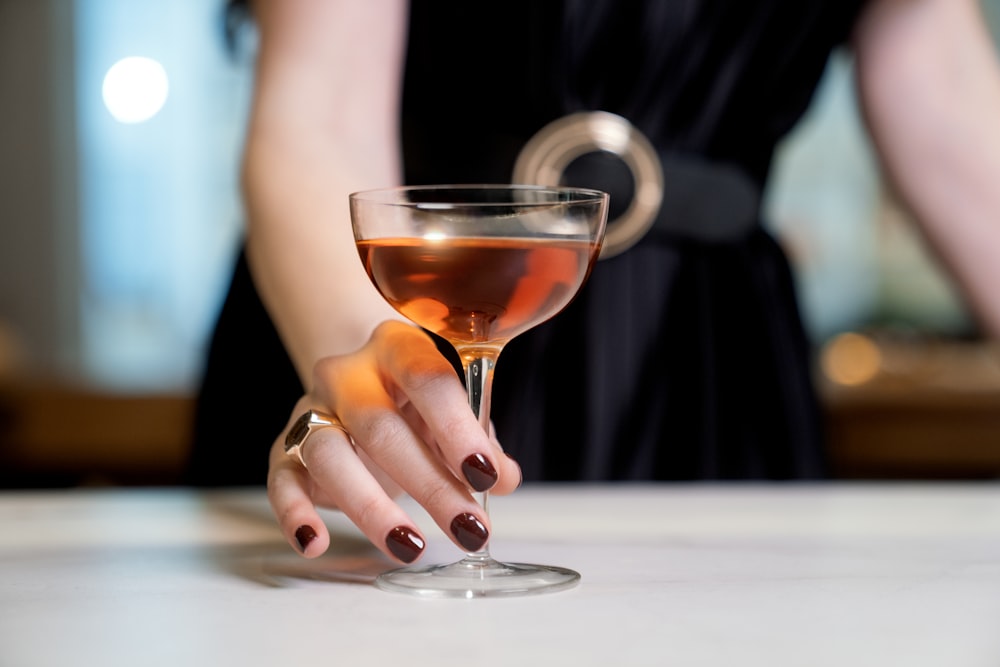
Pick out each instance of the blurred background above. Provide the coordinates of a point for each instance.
(120, 130)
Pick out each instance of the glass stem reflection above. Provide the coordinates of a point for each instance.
(478, 365)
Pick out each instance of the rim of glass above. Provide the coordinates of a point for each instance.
(564, 194)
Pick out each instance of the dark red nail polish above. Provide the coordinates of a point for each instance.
(304, 535)
(404, 544)
(469, 531)
(479, 471)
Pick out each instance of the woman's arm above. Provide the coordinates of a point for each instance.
(324, 123)
(930, 88)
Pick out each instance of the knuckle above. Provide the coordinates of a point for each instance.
(423, 374)
(272, 493)
(277, 484)
(326, 369)
(384, 329)
(367, 511)
(393, 328)
(434, 494)
(384, 431)
(319, 454)
(285, 510)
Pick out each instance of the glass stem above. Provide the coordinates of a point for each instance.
(479, 383)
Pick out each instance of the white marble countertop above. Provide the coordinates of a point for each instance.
(672, 575)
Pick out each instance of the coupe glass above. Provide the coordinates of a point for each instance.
(478, 265)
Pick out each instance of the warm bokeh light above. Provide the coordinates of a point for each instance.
(135, 89)
(851, 359)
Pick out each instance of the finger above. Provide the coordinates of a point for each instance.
(508, 481)
(511, 475)
(288, 491)
(382, 433)
(429, 382)
(344, 478)
(388, 439)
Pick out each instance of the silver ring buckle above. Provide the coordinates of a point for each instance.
(545, 157)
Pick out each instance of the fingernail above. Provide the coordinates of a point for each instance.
(469, 531)
(479, 471)
(404, 544)
(304, 535)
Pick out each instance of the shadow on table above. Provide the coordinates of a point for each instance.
(350, 558)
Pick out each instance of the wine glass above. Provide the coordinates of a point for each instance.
(478, 265)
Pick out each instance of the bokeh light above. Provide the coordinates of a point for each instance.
(135, 89)
(851, 359)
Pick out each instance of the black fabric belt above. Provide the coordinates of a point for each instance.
(654, 193)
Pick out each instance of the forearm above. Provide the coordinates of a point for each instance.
(303, 259)
(321, 127)
(929, 81)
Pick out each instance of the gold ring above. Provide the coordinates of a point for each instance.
(311, 420)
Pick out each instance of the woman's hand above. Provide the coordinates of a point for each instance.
(411, 430)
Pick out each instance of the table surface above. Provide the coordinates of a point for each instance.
(672, 575)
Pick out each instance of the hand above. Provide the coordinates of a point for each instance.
(412, 430)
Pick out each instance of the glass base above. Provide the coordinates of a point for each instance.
(477, 578)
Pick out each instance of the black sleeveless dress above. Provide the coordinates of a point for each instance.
(684, 356)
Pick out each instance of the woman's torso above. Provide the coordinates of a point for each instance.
(683, 357)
